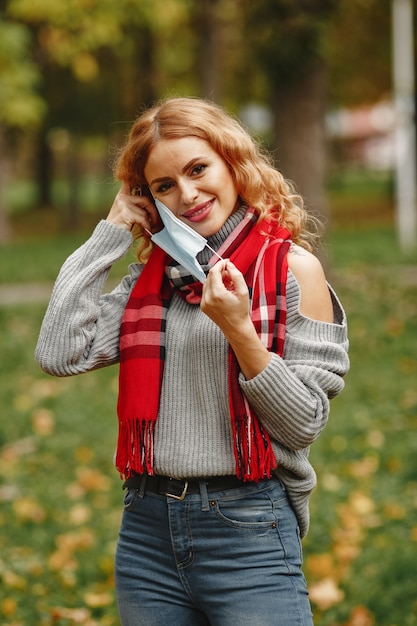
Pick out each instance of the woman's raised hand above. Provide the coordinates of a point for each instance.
(128, 210)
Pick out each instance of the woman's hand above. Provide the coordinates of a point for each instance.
(225, 300)
(225, 297)
(129, 210)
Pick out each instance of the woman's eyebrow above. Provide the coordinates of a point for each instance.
(184, 169)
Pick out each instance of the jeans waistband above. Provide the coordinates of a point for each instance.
(178, 488)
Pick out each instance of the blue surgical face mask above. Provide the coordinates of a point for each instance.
(180, 241)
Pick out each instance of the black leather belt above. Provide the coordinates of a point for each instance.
(178, 488)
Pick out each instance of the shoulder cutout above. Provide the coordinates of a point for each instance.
(316, 302)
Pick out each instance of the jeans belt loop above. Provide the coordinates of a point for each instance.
(204, 496)
(142, 486)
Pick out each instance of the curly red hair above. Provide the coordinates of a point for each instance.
(258, 182)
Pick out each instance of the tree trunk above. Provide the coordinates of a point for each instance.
(5, 228)
(44, 169)
(299, 142)
(73, 172)
(208, 45)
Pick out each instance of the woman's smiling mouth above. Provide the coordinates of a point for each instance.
(199, 212)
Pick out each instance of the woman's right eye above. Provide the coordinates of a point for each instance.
(164, 187)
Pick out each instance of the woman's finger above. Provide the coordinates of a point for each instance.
(231, 278)
(215, 275)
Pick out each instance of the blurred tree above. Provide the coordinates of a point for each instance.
(304, 57)
(207, 48)
(67, 39)
(286, 44)
(358, 52)
(100, 60)
(20, 106)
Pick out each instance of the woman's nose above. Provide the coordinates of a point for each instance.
(189, 192)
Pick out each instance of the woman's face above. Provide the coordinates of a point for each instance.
(193, 181)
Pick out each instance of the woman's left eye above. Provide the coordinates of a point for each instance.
(198, 169)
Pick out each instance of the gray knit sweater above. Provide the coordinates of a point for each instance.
(80, 332)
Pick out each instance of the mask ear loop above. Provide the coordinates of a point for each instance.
(214, 252)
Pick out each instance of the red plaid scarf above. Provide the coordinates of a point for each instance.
(260, 252)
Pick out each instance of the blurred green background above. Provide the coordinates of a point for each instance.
(313, 81)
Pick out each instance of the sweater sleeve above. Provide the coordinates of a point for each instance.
(291, 395)
(80, 330)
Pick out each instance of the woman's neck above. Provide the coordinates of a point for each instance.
(216, 240)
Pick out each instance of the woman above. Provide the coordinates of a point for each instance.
(223, 385)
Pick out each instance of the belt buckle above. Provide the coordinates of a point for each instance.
(180, 497)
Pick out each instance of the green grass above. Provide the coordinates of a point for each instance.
(38, 259)
(364, 511)
(60, 497)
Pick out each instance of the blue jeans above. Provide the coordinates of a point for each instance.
(224, 558)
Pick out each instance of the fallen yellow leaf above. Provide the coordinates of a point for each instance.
(360, 616)
(326, 593)
(96, 600)
(320, 565)
(43, 422)
(76, 616)
(8, 607)
(28, 510)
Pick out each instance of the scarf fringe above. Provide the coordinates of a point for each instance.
(254, 455)
(135, 448)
